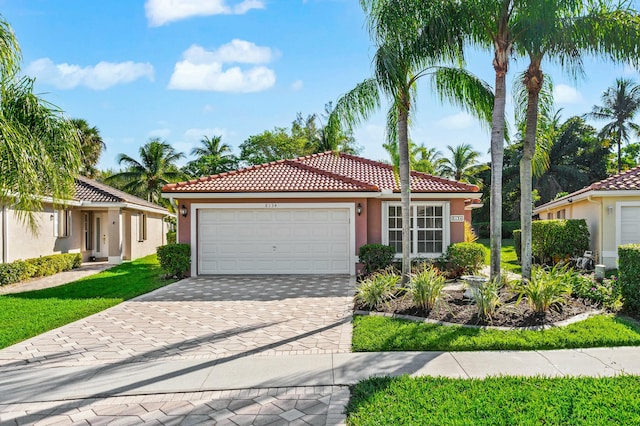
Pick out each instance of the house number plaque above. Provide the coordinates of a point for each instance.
(271, 205)
(457, 218)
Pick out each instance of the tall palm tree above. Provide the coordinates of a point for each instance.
(91, 144)
(400, 61)
(156, 168)
(427, 160)
(564, 30)
(463, 165)
(213, 157)
(620, 105)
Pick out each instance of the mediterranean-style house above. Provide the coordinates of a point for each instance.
(100, 222)
(611, 208)
(311, 215)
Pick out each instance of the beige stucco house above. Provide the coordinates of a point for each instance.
(100, 222)
(310, 215)
(611, 208)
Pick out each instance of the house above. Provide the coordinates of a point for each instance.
(100, 222)
(611, 208)
(311, 215)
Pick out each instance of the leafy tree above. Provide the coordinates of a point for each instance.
(272, 145)
(620, 105)
(331, 137)
(427, 160)
(463, 165)
(91, 144)
(39, 149)
(213, 157)
(156, 168)
(404, 54)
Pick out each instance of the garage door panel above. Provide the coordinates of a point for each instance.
(278, 241)
(630, 224)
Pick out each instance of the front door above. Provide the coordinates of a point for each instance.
(101, 243)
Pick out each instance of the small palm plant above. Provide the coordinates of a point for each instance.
(426, 287)
(547, 288)
(487, 299)
(378, 288)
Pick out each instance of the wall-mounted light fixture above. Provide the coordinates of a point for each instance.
(610, 209)
(51, 217)
(183, 211)
(359, 209)
(570, 200)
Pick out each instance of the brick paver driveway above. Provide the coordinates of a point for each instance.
(204, 318)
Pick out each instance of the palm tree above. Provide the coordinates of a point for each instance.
(427, 160)
(91, 144)
(400, 61)
(463, 165)
(213, 157)
(564, 30)
(156, 168)
(620, 105)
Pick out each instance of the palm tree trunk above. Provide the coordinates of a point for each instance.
(405, 188)
(533, 82)
(497, 159)
(619, 140)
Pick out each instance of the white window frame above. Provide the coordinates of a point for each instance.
(62, 225)
(142, 227)
(414, 205)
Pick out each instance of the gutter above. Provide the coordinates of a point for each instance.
(311, 195)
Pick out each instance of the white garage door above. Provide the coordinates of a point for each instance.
(273, 241)
(630, 224)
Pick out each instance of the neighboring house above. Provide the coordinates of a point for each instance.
(611, 208)
(100, 222)
(312, 214)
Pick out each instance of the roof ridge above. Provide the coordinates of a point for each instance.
(97, 186)
(601, 183)
(122, 196)
(337, 176)
(442, 179)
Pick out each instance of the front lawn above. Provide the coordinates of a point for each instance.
(495, 401)
(508, 256)
(380, 334)
(24, 315)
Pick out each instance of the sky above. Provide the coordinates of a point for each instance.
(183, 69)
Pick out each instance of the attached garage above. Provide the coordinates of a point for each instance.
(629, 224)
(274, 240)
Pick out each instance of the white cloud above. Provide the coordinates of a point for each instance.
(99, 77)
(297, 85)
(209, 108)
(461, 120)
(194, 135)
(160, 12)
(564, 94)
(203, 70)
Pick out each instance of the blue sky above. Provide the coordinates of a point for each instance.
(181, 69)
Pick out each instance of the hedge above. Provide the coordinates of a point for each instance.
(558, 239)
(22, 270)
(175, 259)
(375, 257)
(517, 243)
(483, 229)
(629, 276)
(465, 258)
(171, 237)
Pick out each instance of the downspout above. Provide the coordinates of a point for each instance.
(5, 232)
(601, 225)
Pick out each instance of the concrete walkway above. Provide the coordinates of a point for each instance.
(153, 359)
(85, 270)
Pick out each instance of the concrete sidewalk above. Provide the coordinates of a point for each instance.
(61, 278)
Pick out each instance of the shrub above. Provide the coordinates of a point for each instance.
(175, 259)
(547, 288)
(559, 239)
(378, 288)
(487, 299)
(21, 270)
(171, 237)
(375, 257)
(465, 258)
(629, 276)
(605, 293)
(484, 228)
(14, 272)
(426, 287)
(517, 243)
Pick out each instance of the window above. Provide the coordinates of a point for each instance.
(428, 228)
(63, 224)
(87, 229)
(561, 214)
(142, 227)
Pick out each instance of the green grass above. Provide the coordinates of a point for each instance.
(495, 401)
(508, 257)
(379, 334)
(24, 315)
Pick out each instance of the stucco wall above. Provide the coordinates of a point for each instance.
(23, 244)
(155, 235)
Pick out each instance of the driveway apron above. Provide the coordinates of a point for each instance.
(204, 318)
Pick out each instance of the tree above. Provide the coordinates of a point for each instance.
(404, 54)
(91, 145)
(272, 145)
(564, 30)
(620, 105)
(213, 157)
(427, 160)
(156, 168)
(30, 129)
(331, 137)
(463, 165)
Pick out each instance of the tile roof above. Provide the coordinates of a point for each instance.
(89, 190)
(325, 172)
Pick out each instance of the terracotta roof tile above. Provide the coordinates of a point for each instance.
(622, 181)
(317, 173)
